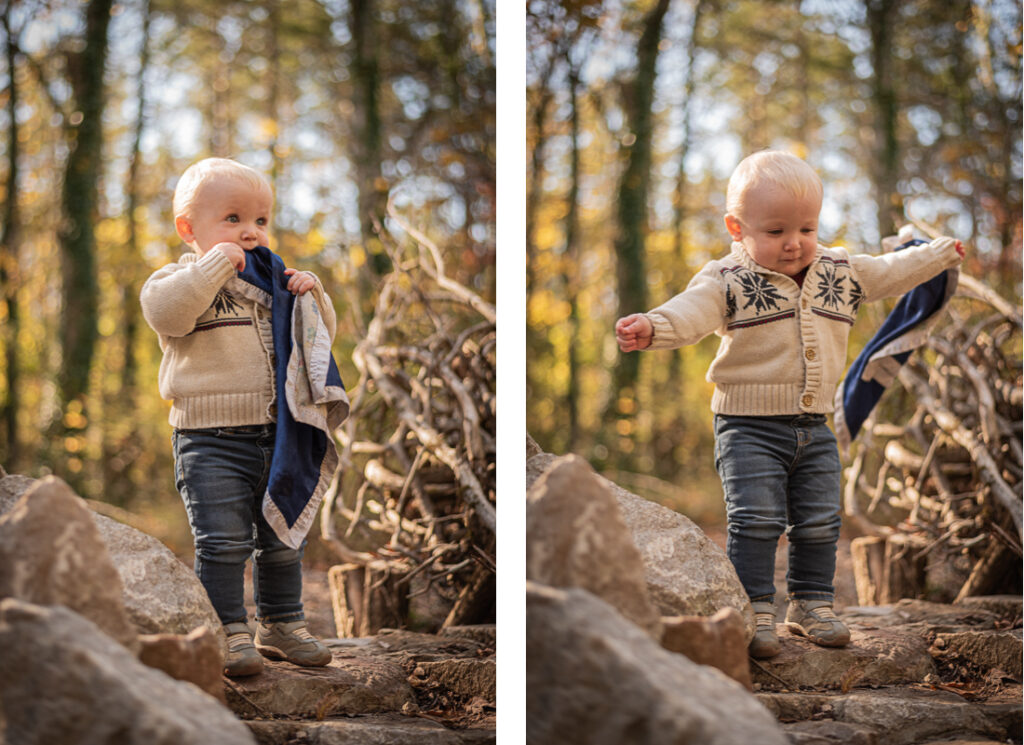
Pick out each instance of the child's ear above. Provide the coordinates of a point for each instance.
(734, 227)
(184, 228)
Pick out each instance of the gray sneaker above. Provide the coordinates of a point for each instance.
(765, 642)
(816, 620)
(292, 642)
(242, 659)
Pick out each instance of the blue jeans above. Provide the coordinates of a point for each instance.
(780, 474)
(222, 475)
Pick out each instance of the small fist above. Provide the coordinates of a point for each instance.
(234, 253)
(300, 282)
(634, 332)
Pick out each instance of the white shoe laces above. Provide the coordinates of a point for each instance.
(238, 640)
(764, 619)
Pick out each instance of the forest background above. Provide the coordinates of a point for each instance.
(343, 104)
(910, 110)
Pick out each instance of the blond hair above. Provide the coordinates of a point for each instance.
(186, 193)
(773, 167)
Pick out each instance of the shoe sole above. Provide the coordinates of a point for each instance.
(799, 631)
(274, 653)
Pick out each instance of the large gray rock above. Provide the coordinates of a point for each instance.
(52, 554)
(162, 595)
(62, 680)
(575, 537)
(594, 677)
(686, 573)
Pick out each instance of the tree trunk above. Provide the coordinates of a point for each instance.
(9, 260)
(881, 21)
(570, 263)
(632, 202)
(369, 132)
(273, 97)
(668, 466)
(79, 200)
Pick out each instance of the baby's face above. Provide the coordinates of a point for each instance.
(778, 230)
(227, 210)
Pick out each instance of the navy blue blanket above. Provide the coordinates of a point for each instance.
(304, 451)
(878, 364)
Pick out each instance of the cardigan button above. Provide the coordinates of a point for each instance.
(803, 303)
(810, 353)
(807, 400)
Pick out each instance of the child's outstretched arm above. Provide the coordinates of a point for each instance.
(634, 332)
(897, 273)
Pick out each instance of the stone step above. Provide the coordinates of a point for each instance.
(884, 656)
(385, 729)
(889, 716)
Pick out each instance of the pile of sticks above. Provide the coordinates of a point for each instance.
(412, 508)
(937, 488)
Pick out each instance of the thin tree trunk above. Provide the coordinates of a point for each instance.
(571, 264)
(632, 202)
(369, 131)
(535, 186)
(79, 198)
(10, 260)
(273, 105)
(667, 465)
(881, 22)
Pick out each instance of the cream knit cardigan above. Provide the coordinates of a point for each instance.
(783, 347)
(217, 342)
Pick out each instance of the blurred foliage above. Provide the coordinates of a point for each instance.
(735, 76)
(276, 86)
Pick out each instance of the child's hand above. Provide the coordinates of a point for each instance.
(634, 332)
(944, 241)
(300, 282)
(234, 253)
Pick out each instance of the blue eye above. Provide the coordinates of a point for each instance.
(232, 218)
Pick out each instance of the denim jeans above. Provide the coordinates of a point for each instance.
(222, 475)
(780, 474)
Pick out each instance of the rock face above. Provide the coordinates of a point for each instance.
(196, 658)
(575, 537)
(593, 677)
(64, 680)
(719, 641)
(52, 554)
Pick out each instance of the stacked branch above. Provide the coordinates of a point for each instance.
(412, 508)
(936, 481)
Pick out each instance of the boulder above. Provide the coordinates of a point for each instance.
(52, 554)
(594, 677)
(719, 641)
(196, 658)
(686, 573)
(63, 680)
(575, 537)
(162, 595)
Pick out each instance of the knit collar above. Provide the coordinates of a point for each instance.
(739, 254)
